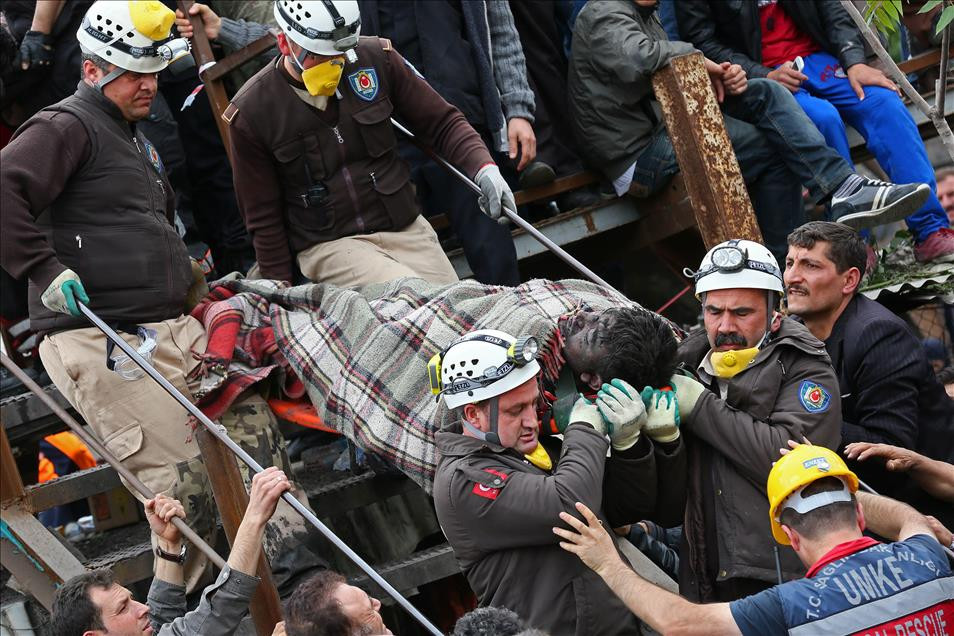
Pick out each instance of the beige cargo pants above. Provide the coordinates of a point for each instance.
(148, 431)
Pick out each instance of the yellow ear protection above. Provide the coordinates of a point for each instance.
(434, 371)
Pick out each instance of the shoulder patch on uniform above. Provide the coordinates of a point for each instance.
(364, 83)
(229, 113)
(490, 492)
(385, 44)
(813, 396)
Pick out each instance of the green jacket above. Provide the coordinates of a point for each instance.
(788, 391)
(617, 46)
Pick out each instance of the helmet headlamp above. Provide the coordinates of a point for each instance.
(523, 351)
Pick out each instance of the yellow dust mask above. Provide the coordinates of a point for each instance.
(321, 79)
(540, 458)
(726, 364)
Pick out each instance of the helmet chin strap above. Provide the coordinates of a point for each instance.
(108, 77)
(490, 436)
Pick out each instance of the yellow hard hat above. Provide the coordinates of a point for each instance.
(796, 470)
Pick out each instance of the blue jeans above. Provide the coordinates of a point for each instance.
(884, 122)
(779, 151)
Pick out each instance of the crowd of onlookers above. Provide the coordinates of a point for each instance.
(313, 183)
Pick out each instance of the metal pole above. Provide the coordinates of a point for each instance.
(100, 450)
(223, 437)
(522, 224)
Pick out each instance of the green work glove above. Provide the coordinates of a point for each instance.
(662, 414)
(625, 414)
(587, 412)
(687, 391)
(560, 412)
(63, 292)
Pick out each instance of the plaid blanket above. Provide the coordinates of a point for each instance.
(362, 353)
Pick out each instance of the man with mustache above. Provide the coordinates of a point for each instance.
(764, 379)
(889, 392)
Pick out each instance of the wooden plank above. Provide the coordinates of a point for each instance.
(418, 569)
(231, 499)
(923, 61)
(11, 486)
(72, 487)
(711, 172)
(556, 187)
(240, 57)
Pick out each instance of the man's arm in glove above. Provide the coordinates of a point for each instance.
(63, 292)
(496, 194)
(622, 407)
(37, 45)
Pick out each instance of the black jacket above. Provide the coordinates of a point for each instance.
(729, 30)
(889, 393)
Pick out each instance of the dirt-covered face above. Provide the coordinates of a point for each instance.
(586, 346)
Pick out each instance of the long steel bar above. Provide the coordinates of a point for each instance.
(223, 437)
(521, 223)
(101, 450)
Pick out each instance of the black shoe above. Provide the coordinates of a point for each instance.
(871, 203)
(536, 174)
(582, 198)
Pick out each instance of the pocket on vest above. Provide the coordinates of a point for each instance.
(396, 192)
(374, 122)
(115, 258)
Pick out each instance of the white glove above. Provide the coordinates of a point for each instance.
(687, 391)
(625, 413)
(496, 194)
(63, 292)
(588, 413)
(662, 415)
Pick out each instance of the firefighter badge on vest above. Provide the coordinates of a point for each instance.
(364, 83)
(813, 397)
(152, 155)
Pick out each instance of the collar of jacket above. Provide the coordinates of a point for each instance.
(452, 442)
(93, 97)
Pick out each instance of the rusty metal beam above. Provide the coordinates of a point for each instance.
(214, 89)
(708, 165)
(231, 499)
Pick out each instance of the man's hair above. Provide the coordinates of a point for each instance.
(815, 523)
(313, 610)
(97, 61)
(943, 173)
(846, 248)
(489, 621)
(642, 349)
(73, 610)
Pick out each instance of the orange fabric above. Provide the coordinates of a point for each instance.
(46, 471)
(299, 412)
(71, 446)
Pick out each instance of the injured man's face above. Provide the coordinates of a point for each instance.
(586, 345)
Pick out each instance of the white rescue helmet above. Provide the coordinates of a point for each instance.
(133, 35)
(481, 365)
(324, 27)
(738, 264)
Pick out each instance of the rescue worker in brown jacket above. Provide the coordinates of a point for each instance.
(767, 379)
(87, 215)
(498, 484)
(317, 172)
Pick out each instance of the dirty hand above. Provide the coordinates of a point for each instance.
(591, 542)
(716, 72)
(787, 76)
(496, 194)
(897, 459)
(159, 513)
(734, 78)
(622, 407)
(36, 48)
(279, 629)
(588, 413)
(211, 23)
(861, 75)
(63, 292)
(520, 136)
(267, 489)
(662, 414)
(687, 391)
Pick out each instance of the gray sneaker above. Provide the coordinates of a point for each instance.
(871, 203)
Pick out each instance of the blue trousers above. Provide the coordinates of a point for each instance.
(881, 118)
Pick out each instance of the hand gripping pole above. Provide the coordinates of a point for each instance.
(522, 224)
(223, 437)
(101, 450)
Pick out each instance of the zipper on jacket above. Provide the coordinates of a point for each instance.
(155, 210)
(349, 183)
